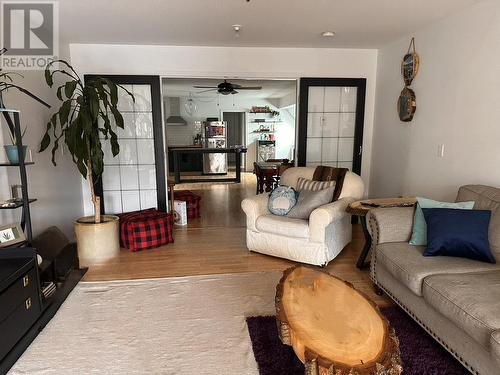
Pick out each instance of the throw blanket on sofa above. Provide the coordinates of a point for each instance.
(322, 173)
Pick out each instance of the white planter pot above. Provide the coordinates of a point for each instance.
(97, 243)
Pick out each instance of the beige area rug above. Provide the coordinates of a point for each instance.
(186, 325)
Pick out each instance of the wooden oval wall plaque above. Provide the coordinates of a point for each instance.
(407, 104)
(410, 64)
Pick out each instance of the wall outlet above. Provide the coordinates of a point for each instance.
(440, 151)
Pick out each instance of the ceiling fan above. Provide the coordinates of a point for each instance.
(226, 88)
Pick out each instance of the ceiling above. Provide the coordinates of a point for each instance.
(283, 23)
(271, 89)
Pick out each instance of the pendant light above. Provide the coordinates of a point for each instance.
(190, 105)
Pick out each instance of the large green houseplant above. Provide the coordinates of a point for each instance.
(86, 119)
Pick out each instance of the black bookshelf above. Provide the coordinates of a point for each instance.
(12, 118)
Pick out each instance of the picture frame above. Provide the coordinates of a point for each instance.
(11, 234)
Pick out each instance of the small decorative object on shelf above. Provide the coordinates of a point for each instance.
(11, 234)
(16, 192)
(264, 109)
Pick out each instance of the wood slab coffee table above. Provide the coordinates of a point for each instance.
(333, 328)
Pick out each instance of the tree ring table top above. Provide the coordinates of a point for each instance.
(361, 208)
(332, 327)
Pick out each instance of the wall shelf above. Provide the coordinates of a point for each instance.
(17, 205)
(14, 124)
(7, 164)
(265, 122)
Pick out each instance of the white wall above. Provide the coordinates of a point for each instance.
(58, 189)
(244, 62)
(457, 105)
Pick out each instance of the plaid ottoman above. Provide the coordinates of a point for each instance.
(192, 202)
(146, 229)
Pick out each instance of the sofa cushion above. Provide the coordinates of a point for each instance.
(458, 233)
(470, 300)
(281, 200)
(495, 346)
(283, 226)
(308, 201)
(310, 185)
(407, 264)
(486, 198)
(419, 235)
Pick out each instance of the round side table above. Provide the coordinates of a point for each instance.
(361, 208)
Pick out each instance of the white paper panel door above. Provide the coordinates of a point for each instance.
(331, 119)
(129, 179)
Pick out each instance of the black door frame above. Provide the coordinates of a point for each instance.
(360, 84)
(154, 82)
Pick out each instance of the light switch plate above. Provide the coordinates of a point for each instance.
(440, 151)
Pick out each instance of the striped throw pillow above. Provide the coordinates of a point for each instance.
(310, 185)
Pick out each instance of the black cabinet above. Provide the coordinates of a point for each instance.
(20, 298)
(192, 162)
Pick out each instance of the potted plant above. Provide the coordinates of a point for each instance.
(12, 149)
(84, 122)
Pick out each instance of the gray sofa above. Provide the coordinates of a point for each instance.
(456, 300)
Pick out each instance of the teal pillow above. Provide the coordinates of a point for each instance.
(419, 235)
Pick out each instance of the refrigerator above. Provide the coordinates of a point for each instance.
(215, 137)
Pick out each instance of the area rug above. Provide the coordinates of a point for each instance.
(421, 355)
(185, 325)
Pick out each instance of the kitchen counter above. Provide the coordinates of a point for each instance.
(187, 162)
(180, 154)
(185, 146)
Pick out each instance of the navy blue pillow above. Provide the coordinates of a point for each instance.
(458, 233)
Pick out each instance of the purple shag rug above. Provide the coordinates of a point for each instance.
(420, 353)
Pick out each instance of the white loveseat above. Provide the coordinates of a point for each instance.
(315, 241)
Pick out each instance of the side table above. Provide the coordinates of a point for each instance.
(361, 208)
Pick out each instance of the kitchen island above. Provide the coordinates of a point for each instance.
(178, 152)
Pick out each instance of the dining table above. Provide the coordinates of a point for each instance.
(268, 174)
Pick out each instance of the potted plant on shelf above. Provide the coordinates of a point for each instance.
(12, 149)
(86, 120)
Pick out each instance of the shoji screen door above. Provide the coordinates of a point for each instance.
(135, 178)
(331, 116)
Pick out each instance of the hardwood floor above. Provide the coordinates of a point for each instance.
(215, 244)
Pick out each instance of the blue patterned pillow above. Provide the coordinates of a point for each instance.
(281, 200)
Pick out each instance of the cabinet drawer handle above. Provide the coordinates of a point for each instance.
(27, 303)
(26, 281)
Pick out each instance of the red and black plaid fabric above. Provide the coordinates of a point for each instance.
(193, 202)
(146, 229)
